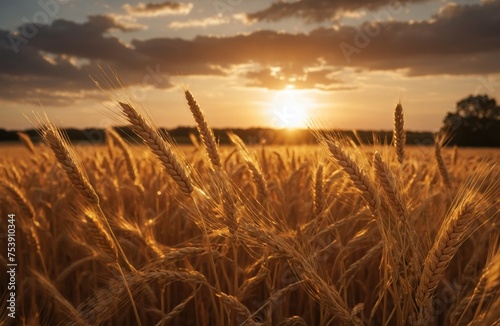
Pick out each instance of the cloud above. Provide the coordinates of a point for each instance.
(86, 40)
(448, 44)
(277, 78)
(205, 22)
(319, 10)
(127, 23)
(458, 40)
(158, 9)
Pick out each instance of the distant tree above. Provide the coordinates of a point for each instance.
(476, 122)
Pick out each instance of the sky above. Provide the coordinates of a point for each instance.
(342, 64)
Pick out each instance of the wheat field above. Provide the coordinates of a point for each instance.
(333, 234)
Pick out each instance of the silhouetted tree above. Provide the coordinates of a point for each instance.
(476, 122)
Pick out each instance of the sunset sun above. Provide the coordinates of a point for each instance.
(290, 109)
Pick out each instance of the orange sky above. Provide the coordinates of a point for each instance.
(343, 64)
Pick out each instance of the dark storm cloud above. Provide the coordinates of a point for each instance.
(459, 40)
(319, 10)
(158, 9)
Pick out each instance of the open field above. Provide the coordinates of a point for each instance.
(333, 234)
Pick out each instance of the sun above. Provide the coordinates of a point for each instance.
(290, 109)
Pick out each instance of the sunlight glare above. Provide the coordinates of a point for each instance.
(290, 109)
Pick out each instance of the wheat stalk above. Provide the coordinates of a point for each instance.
(26, 140)
(358, 177)
(492, 316)
(207, 136)
(100, 236)
(405, 232)
(240, 309)
(29, 212)
(480, 293)
(178, 254)
(97, 309)
(293, 321)
(441, 165)
(129, 160)
(47, 288)
(319, 196)
(17, 195)
(251, 282)
(454, 157)
(78, 178)
(194, 140)
(399, 132)
(153, 140)
(486, 289)
(253, 166)
(259, 180)
(69, 163)
(176, 310)
(229, 206)
(444, 249)
(386, 179)
(354, 267)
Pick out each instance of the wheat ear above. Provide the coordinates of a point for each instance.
(129, 160)
(69, 164)
(239, 308)
(356, 174)
(27, 210)
(293, 321)
(454, 158)
(26, 140)
(79, 180)
(99, 235)
(48, 289)
(207, 136)
(399, 132)
(159, 147)
(388, 182)
(440, 162)
(177, 309)
(319, 196)
(17, 195)
(354, 267)
(259, 180)
(253, 166)
(445, 246)
(486, 289)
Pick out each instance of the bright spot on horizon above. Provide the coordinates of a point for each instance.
(290, 109)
